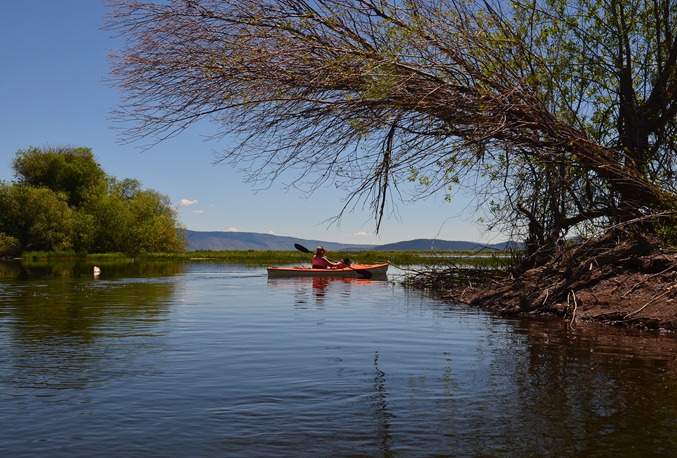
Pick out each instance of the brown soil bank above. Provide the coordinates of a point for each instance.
(629, 282)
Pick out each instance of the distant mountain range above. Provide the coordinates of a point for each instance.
(217, 241)
(441, 245)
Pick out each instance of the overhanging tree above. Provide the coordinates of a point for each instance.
(568, 109)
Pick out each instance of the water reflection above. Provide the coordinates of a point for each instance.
(592, 390)
(20, 270)
(63, 332)
(319, 287)
(382, 413)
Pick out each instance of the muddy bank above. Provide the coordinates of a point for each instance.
(628, 282)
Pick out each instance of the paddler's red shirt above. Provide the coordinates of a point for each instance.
(321, 262)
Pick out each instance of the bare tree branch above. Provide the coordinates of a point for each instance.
(369, 94)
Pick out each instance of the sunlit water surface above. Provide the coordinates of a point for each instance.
(206, 359)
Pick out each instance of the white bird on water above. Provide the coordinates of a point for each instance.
(97, 271)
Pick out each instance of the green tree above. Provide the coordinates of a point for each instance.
(9, 246)
(568, 106)
(108, 216)
(39, 218)
(63, 200)
(153, 227)
(73, 171)
(133, 220)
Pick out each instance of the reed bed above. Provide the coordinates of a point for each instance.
(423, 259)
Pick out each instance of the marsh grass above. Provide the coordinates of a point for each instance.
(424, 259)
(244, 257)
(70, 256)
(280, 258)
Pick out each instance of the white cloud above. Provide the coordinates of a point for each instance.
(199, 212)
(232, 229)
(188, 202)
(362, 234)
(271, 232)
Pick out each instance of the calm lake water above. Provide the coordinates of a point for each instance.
(205, 359)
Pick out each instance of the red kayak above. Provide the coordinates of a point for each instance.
(367, 271)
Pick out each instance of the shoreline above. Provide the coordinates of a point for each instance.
(630, 283)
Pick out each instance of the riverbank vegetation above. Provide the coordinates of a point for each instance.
(484, 260)
(63, 201)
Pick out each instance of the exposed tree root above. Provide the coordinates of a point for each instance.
(626, 281)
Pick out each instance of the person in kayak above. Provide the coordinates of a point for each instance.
(320, 260)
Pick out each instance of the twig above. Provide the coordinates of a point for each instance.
(648, 303)
(647, 279)
(572, 294)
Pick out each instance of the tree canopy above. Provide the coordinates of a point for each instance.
(561, 114)
(62, 200)
(73, 171)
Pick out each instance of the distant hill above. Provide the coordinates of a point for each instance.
(441, 245)
(217, 241)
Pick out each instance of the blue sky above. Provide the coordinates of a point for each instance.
(53, 66)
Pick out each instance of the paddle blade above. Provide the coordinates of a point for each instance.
(363, 273)
(302, 248)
